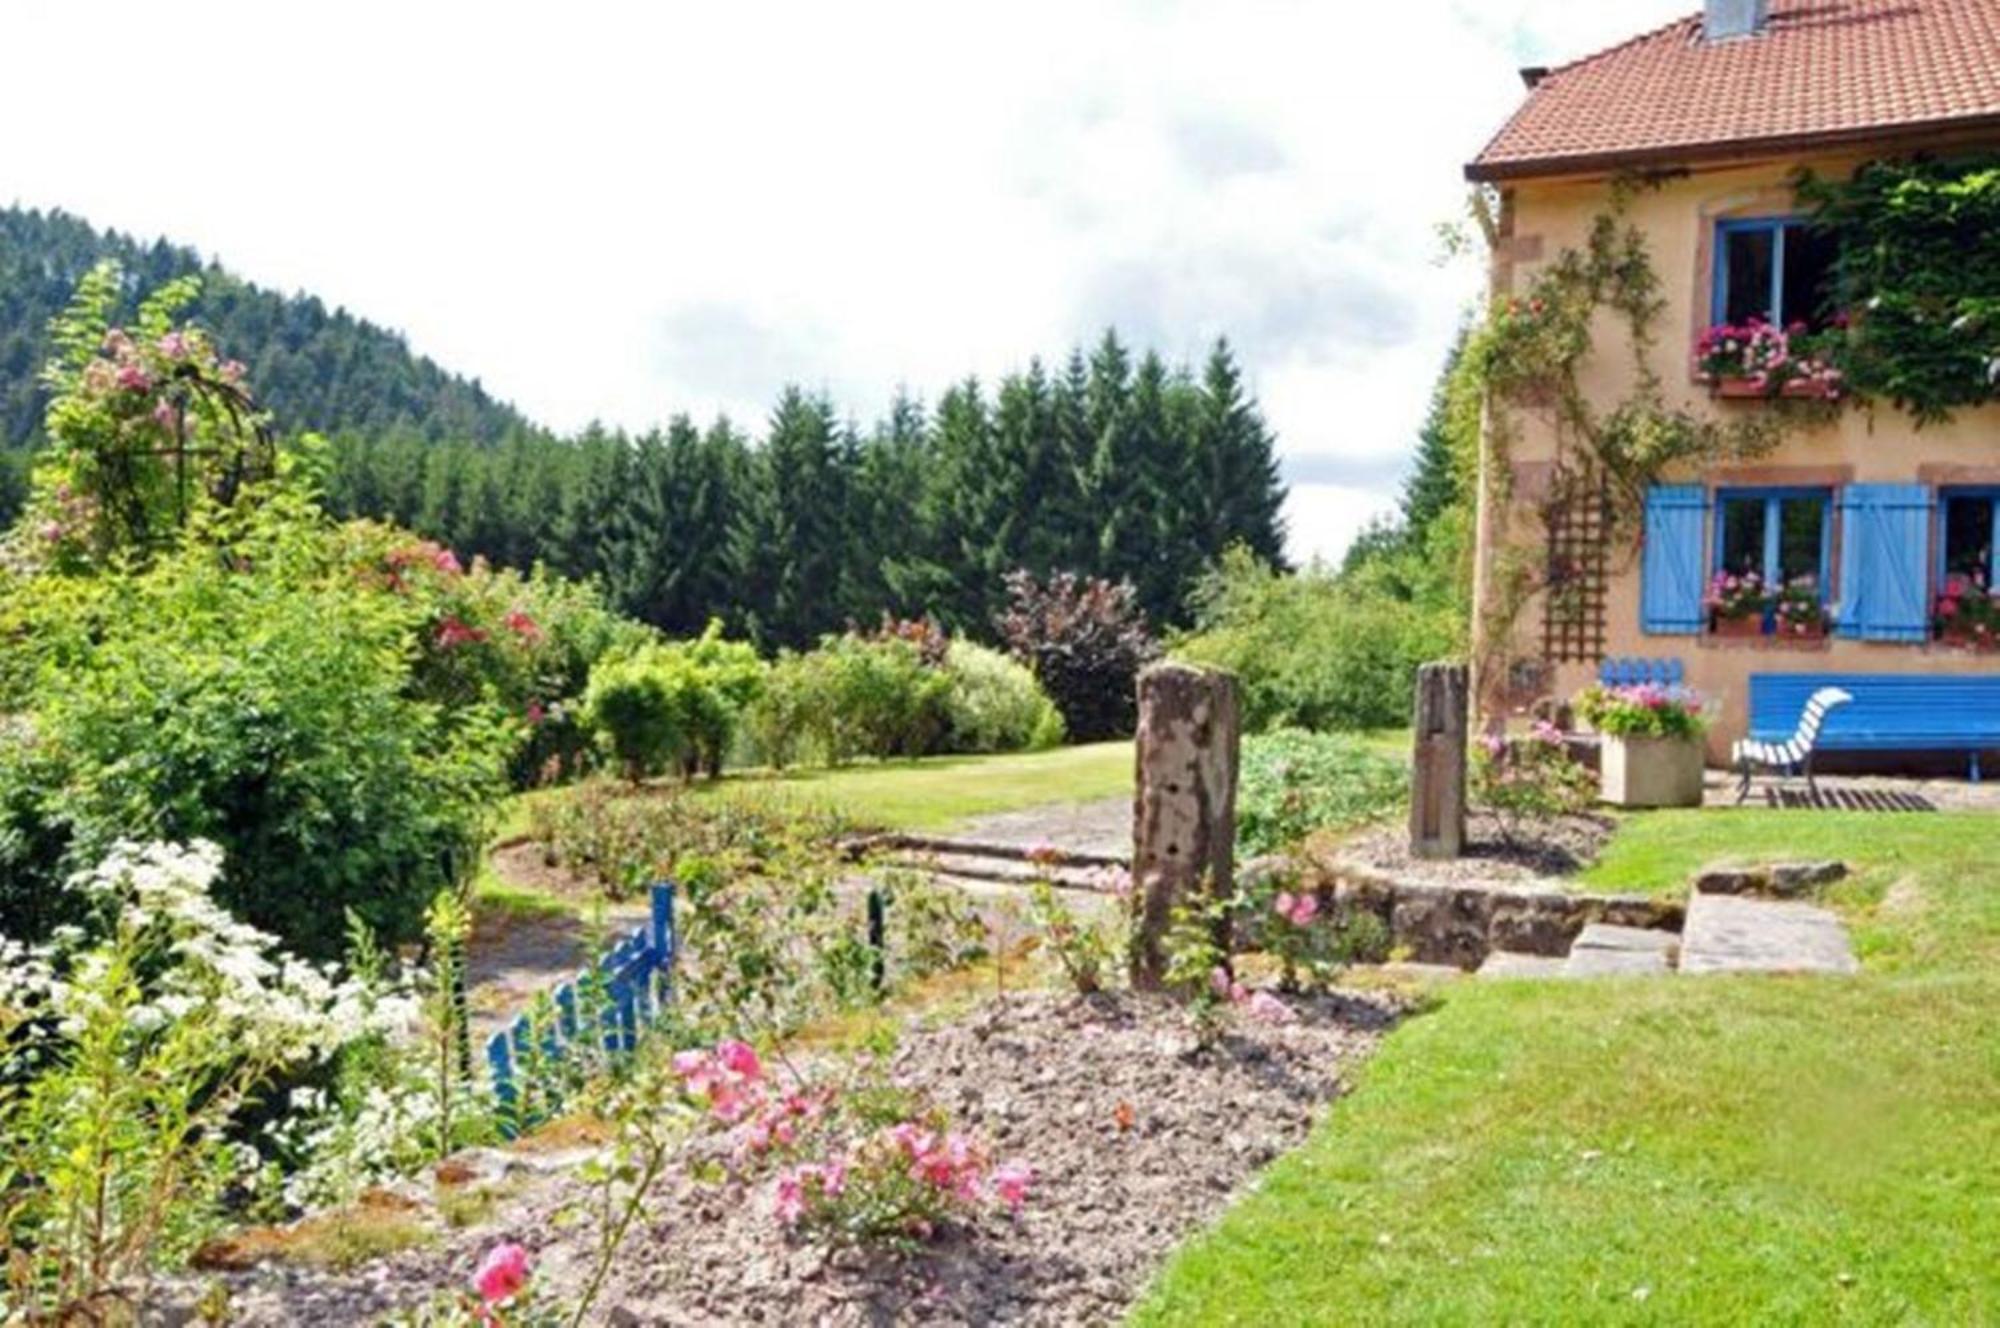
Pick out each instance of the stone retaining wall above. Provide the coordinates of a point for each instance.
(1462, 924)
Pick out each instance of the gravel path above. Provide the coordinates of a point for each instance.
(1101, 826)
(1136, 1144)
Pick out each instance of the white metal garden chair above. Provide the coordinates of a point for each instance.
(1795, 752)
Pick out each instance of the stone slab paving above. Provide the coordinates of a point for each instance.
(1737, 934)
(1605, 950)
(1513, 964)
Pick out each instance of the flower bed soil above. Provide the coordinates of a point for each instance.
(1136, 1144)
(1556, 847)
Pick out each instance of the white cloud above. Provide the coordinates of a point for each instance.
(613, 211)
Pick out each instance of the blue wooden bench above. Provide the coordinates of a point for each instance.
(1891, 712)
(1636, 672)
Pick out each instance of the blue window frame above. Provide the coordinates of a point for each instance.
(1969, 535)
(1781, 534)
(1778, 269)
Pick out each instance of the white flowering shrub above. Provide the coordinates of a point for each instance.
(125, 1054)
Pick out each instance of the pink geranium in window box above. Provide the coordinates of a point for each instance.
(1760, 359)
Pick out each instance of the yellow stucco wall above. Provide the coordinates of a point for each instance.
(1859, 446)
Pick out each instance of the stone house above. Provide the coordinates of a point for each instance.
(1701, 126)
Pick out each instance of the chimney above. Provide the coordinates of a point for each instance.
(1724, 19)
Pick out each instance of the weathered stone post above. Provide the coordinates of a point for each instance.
(1437, 770)
(1184, 806)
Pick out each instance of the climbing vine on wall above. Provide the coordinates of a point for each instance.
(1530, 352)
(1919, 278)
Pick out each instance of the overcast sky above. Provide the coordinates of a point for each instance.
(622, 211)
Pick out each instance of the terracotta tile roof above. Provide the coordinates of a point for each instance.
(1822, 71)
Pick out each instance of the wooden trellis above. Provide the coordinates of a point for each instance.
(1578, 518)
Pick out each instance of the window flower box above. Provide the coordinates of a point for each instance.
(1967, 614)
(1801, 389)
(1986, 642)
(1757, 359)
(1736, 628)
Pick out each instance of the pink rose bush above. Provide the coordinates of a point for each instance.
(502, 1275)
(841, 1172)
(1529, 777)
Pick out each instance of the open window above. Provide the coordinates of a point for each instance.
(1777, 269)
(1968, 520)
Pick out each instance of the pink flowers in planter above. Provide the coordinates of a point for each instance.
(1768, 359)
(1731, 595)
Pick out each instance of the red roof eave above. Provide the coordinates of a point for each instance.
(1482, 171)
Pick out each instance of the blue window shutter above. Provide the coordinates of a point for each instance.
(1884, 538)
(1670, 573)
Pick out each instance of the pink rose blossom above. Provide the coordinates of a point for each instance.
(1269, 1009)
(739, 1058)
(502, 1275)
(1010, 1184)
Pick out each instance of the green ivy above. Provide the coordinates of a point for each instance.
(1919, 275)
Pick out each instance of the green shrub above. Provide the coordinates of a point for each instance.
(1527, 778)
(260, 700)
(1293, 783)
(673, 705)
(524, 642)
(778, 719)
(1318, 651)
(995, 705)
(853, 696)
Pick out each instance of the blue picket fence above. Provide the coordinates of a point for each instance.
(607, 1004)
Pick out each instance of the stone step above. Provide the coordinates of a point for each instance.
(1514, 964)
(1739, 934)
(1605, 949)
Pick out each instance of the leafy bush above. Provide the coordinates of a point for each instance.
(524, 642)
(772, 931)
(260, 698)
(626, 841)
(673, 704)
(1292, 783)
(640, 707)
(126, 1057)
(852, 696)
(1085, 640)
(1529, 778)
(1317, 651)
(995, 704)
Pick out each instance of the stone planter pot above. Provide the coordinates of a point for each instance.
(1753, 625)
(1651, 772)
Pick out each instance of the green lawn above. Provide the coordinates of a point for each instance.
(934, 791)
(923, 794)
(1713, 1150)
